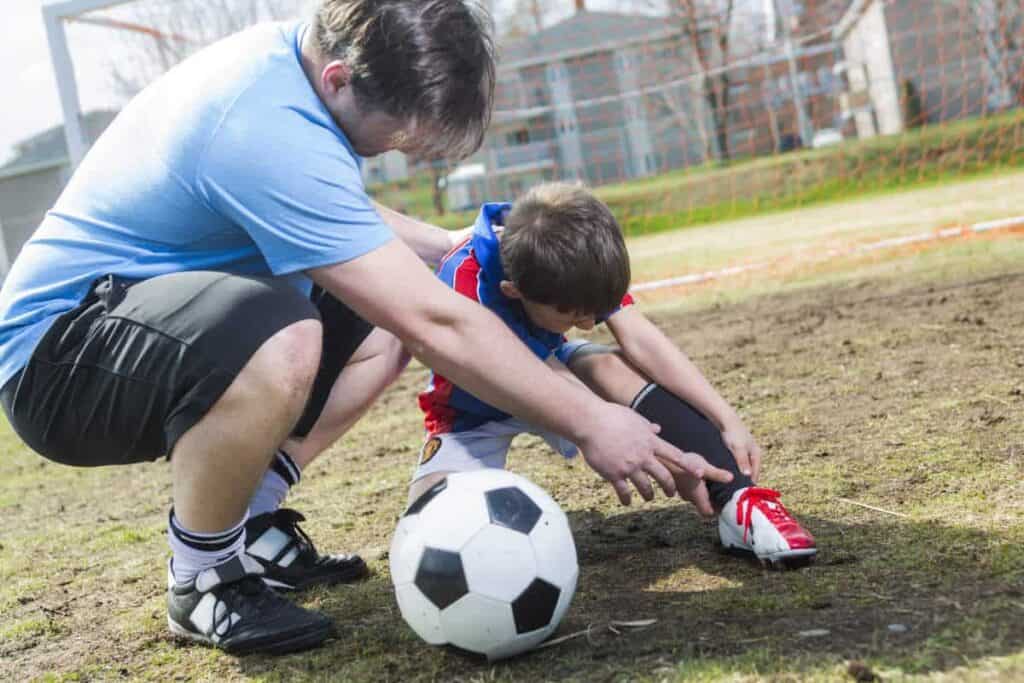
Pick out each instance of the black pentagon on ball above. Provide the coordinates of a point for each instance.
(535, 606)
(426, 497)
(510, 507)
(440, 577)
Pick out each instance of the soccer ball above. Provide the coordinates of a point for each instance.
(484, 561)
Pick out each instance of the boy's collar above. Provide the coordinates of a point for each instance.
(487, 249)
(485, 242)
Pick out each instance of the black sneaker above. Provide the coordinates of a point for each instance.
(289, 559)
(230, 607)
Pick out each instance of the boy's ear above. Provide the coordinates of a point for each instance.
(509, 289)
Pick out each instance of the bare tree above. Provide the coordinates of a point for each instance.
(999, 25)
(526, 18)
(707, 26)
(162, 33)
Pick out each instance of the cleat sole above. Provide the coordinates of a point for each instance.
(303, 640)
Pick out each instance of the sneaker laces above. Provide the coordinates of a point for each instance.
(767, 501)
(287, 520)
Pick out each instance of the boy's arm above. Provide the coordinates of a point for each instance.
(657, 357)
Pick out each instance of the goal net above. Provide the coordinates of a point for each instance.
(679, 111)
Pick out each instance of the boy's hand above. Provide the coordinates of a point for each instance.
(624, 448)
(746, 451)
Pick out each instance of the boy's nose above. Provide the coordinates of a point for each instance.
(585, 323)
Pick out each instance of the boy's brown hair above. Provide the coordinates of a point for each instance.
(562, 247)
(429, 61)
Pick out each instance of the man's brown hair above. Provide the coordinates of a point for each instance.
(563, 247)
(430, 62)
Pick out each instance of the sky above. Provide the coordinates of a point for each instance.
(29, 88)
(26, 77)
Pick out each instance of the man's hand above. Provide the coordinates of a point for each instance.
(746, 451)
(624, 448)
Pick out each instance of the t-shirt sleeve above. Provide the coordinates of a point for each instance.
(299, 196)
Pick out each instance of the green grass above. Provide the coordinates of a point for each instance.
(866, 378)
(920, 158)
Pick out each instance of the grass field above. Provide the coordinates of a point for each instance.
(925, 157)
(893, 379)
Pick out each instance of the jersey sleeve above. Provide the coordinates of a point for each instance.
(627, 300)
(297, 191)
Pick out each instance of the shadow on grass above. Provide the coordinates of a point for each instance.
(914, 596)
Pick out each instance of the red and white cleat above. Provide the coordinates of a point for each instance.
(755, 522)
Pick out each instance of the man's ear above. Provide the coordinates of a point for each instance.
(509, 289)
(335, 77)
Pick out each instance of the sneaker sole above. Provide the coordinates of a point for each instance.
(294, 643)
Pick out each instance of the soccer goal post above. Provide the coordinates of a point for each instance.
(56, 14)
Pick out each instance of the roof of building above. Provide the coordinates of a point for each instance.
(582, 30)
(50, 144)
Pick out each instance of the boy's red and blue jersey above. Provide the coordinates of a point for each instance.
(474, 270)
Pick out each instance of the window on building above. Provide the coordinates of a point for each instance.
(518, 137)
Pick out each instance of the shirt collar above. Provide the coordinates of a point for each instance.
(486, 248)
(485, 242)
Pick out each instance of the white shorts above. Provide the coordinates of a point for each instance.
(485, 446)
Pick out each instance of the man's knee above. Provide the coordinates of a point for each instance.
(286, 364)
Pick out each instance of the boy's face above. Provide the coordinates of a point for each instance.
(548, 317)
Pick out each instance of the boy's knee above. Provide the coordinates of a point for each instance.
(598, 364)
(424, 484)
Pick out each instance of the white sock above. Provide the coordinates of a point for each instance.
(194, 552)
(278, 480)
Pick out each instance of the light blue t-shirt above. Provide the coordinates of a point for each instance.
(230, 162)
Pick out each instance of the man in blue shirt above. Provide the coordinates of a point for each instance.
(166, 304)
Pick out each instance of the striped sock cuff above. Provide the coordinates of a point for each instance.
(286, 468)
(215, 542)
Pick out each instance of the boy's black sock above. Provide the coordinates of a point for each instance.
(687, 429)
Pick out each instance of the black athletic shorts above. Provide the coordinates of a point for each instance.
(122, 376)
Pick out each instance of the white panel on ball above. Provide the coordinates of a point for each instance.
(406, 549)
(476, 622)
(499, 563)
(554, 547)
(482, 480)
(565, 599)
(449, 520)
(421, 614)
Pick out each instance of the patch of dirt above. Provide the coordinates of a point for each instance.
(906, 396)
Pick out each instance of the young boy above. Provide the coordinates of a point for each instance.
(555, 261)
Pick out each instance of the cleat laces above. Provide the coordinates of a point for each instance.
(767, 501)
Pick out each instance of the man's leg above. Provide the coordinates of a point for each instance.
(358, 362)
(218, 462)
(374, 366)
(212, 369)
